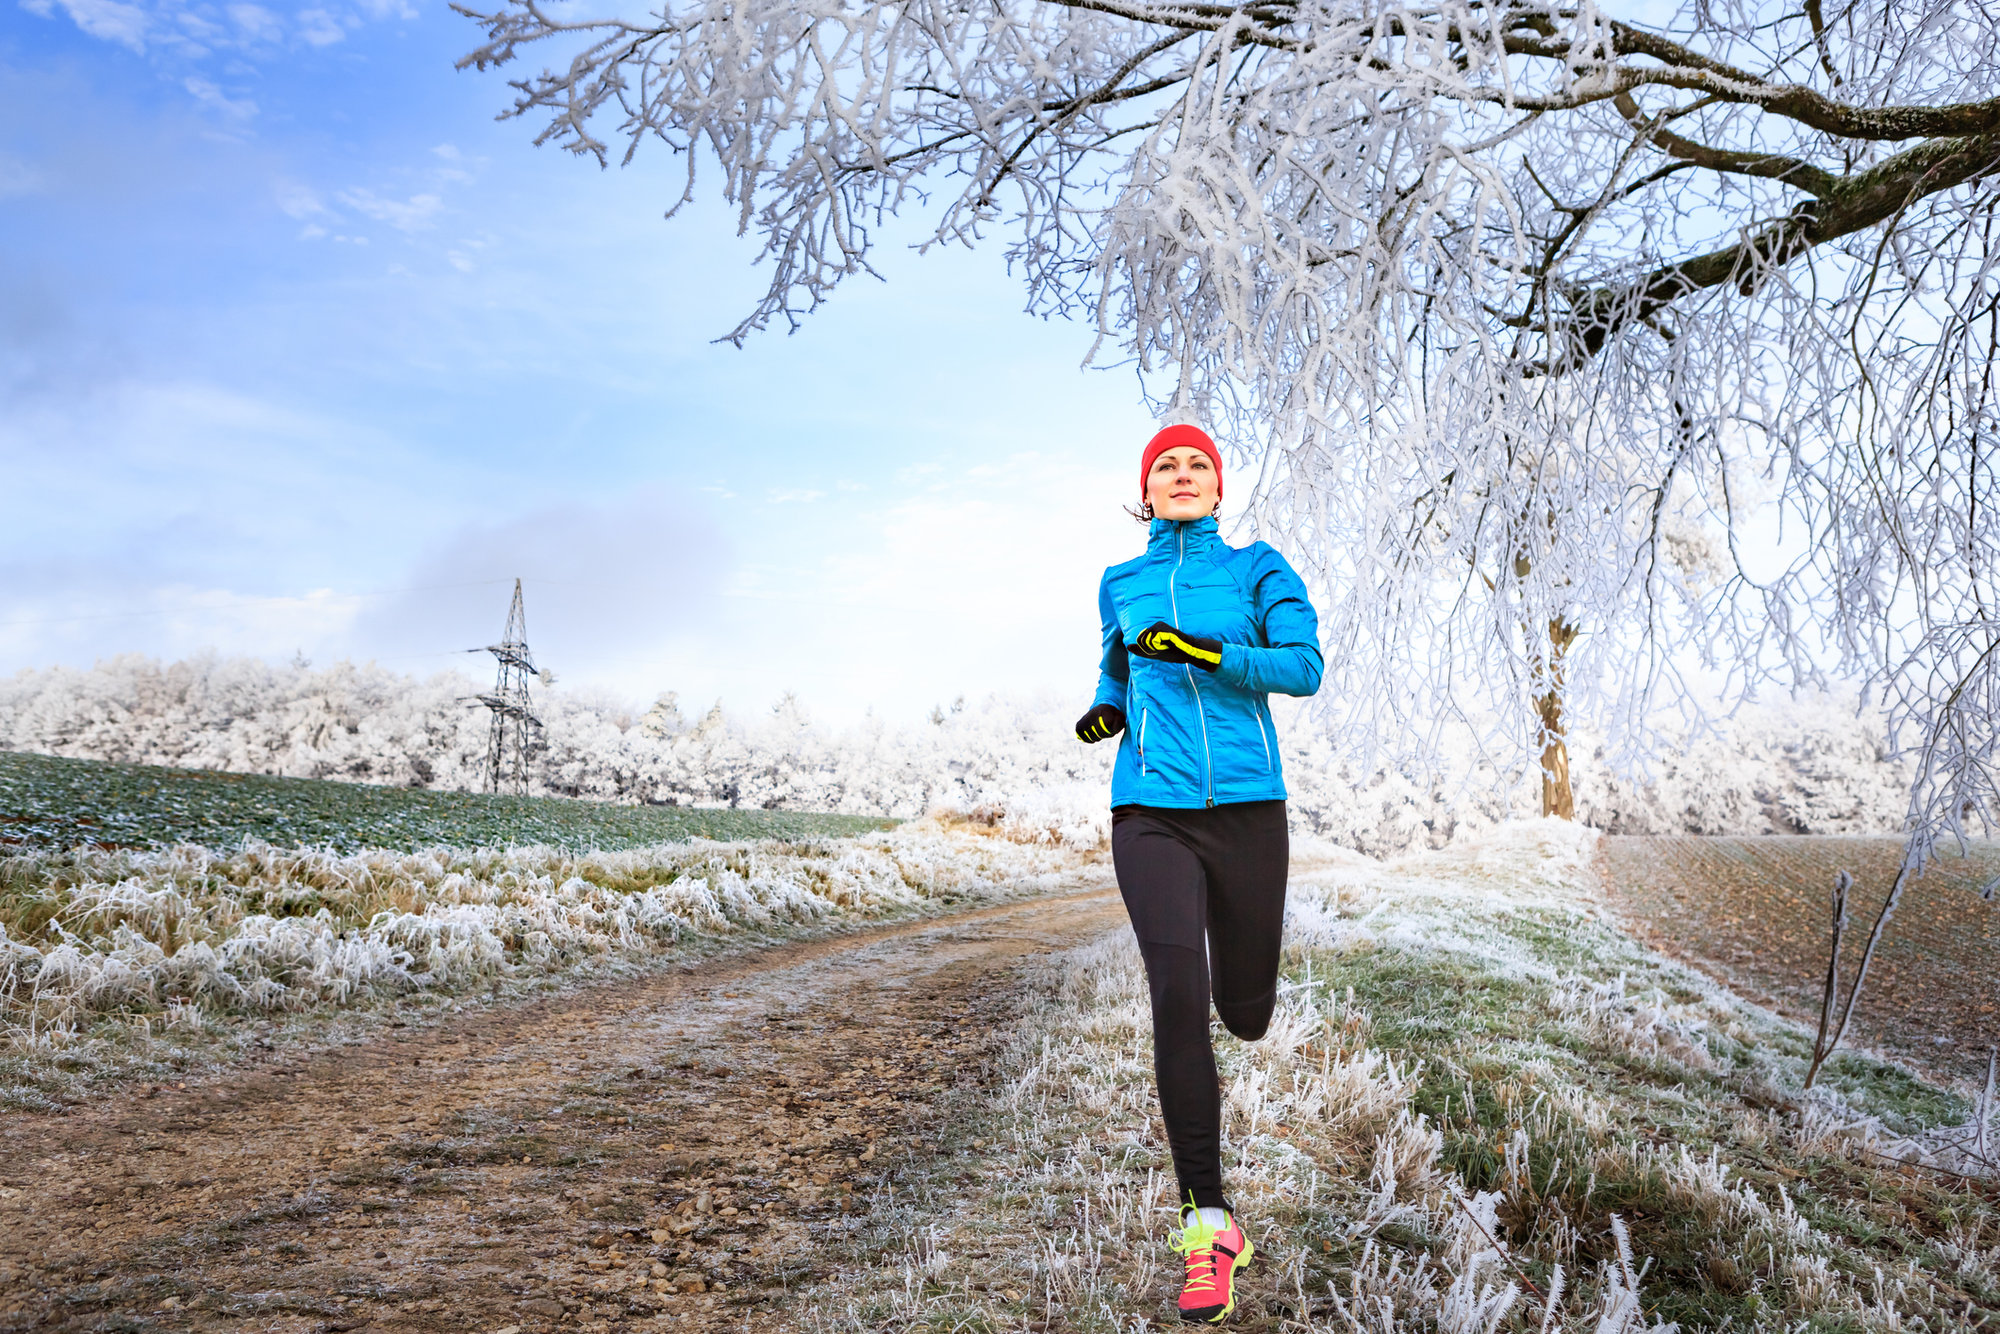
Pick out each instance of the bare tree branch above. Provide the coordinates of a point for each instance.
(1847, 205)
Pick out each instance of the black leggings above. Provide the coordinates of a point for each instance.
(1206, 893)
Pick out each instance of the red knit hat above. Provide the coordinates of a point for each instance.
(1179, 437)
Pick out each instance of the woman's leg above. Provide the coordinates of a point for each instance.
(1162, 882)
(1245, 853)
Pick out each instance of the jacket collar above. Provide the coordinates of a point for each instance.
(1172, 539)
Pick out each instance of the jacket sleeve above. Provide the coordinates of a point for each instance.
(1114, 669)
(1292, 664)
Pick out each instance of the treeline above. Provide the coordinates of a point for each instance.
(1794, 769)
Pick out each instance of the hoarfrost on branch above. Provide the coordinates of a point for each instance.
(1535, 323)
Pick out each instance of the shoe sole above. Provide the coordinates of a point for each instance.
(1202, 1315)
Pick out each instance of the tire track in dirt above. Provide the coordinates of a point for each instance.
(685, 1149)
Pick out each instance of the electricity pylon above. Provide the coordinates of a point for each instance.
(513, 712)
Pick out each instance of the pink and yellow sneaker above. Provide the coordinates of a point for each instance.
(1213, 1256)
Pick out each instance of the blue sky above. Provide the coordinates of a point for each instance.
(301, 350)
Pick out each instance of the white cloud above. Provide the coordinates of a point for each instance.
(416, 213)
(640, 395)
(208, 94)
(188, 32)
(455, 173)
(299, 201)
(108, 20)
(604, 579)
(18, 178)
(256, 23)
(194, 32)
(795, 496)
(320, 28)
(163, 453)
(909, 596)
(463, 263)
(405, 215)
(175, 620)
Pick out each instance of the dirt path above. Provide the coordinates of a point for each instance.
(685, 1149)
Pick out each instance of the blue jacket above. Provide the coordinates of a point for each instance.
(1194, 737)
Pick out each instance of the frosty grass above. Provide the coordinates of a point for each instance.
(1465, 1052)
(107, 948)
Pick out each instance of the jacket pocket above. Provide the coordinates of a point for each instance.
(1266, 737)
(1142, 741)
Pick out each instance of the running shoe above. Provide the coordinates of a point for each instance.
(1213, 1256)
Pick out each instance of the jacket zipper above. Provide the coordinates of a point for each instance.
(1265, 740)
(1142, 741)
(1174, 601)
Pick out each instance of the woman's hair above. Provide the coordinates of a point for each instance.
(1143, 511)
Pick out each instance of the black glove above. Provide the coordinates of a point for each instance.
(1162, 643)
(1102, 722)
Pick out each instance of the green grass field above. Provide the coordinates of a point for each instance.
(47, 802)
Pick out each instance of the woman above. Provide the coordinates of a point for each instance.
(1196, 634)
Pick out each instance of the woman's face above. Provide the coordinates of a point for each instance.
(1182, 485)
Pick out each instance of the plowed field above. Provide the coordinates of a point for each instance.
(1757, 913)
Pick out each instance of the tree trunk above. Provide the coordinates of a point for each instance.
(1557, 798)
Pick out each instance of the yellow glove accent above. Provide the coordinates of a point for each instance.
(1103, 722)
(1158, 641)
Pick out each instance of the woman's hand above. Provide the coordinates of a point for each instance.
(1101, 723)
(1163, 643)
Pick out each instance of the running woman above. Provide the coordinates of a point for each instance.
(1196, 634)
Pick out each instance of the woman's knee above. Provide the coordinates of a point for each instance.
(1248, 1020)
(1180, 1000)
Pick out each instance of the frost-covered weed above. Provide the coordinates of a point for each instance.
(1470, 1076)
(187, 931)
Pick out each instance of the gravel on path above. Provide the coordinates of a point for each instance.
(685, 1150)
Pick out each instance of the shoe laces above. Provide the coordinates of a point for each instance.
(1197, 1243)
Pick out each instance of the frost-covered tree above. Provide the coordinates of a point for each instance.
(1009, 762)
(1531, 319)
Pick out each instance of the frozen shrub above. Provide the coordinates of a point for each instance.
(187, 930)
